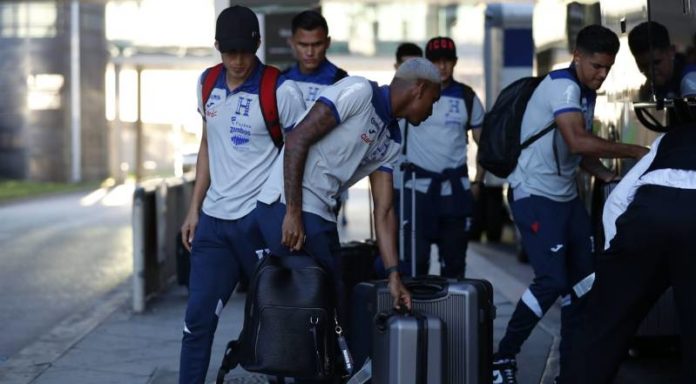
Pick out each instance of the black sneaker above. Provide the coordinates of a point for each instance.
(504, 371)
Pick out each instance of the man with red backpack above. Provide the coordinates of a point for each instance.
(245, 108)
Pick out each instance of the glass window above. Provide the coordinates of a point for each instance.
(28, 19)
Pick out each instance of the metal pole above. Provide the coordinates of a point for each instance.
(413, 224)
(139, 128)
(117, 122)
(75, 98)
(138, 250)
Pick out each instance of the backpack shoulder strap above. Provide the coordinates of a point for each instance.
(340, 73)
(209, 79)
(269, 104)
(469, 95)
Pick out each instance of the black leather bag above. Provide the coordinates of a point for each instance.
(289, 321)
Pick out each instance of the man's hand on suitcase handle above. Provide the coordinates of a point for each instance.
(398, 291)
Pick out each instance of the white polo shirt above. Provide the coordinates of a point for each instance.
(366, 139)
(240, 149)
(313, 84)
(440, 142)
(542, 170)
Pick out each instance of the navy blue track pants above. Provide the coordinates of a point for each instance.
(222, 251)
(557, 237)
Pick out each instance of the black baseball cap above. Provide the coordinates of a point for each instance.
(440, 48)
(237, 29)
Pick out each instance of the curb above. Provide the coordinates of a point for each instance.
(30, 362)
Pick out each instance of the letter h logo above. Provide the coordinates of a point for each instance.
(454, 106)
(243, 103)
(312, 93)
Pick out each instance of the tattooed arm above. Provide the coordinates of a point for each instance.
(319, 121)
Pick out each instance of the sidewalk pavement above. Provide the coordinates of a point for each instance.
(111, 344)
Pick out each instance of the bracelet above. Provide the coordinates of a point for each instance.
(389, 270)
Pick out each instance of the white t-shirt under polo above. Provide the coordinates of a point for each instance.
(240, 149)
(366, 139)
(440, 142)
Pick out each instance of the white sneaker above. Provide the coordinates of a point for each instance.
(504, 371)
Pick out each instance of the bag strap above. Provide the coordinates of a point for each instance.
(340, 73)
(538, 135)
(229, 361)
(267, 98)
(468, 94)
(269, 105)
(209, 80)
(421, 348)
(405, 138)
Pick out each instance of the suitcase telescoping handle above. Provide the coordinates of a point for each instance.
(427, 287)
(407, 168)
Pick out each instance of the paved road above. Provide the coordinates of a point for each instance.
(59, 255)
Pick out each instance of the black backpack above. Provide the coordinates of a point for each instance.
(499, 144)
(289, 321)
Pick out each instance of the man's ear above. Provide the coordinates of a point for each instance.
(577, 56)
(217, 46)
(419, 89)
(328, 42)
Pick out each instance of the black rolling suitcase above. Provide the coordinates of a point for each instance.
(409, 348)
(465, 306)
(357, 263)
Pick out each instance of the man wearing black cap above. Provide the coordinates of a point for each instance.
(437, 149)
(234, 161)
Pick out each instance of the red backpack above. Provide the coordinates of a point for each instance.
(267, 98)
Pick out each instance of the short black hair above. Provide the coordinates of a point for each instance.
(407, 49)
(309, 20)
(597, 39)
(646, 36)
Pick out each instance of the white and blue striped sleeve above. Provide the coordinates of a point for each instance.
(477, 113)
(564, 96)
(347, 98)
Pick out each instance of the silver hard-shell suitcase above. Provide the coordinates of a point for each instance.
(465, 307)
(409, 349)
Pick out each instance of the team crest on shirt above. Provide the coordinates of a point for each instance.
(214, 98)
(240, 133)
(372, 131)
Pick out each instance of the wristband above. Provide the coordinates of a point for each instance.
(389, 270)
